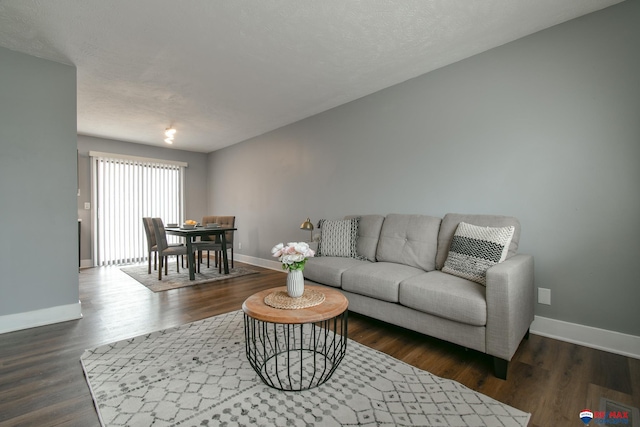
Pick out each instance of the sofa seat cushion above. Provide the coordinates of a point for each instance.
(329, 270)
(378, 280)
(447, 296)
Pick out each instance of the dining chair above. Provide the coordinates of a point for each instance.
(164, 250)
(226, 222)
(151, 243)
(205, 240)
(208, 244)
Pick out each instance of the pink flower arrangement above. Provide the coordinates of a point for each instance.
(293, 256)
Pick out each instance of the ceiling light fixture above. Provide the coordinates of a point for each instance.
(169, 133)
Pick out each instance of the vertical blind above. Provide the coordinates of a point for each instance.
(126, 189)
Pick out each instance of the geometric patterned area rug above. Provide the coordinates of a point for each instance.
(180, 280)
(197, 375)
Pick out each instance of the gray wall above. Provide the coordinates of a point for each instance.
(195, 177)
(546, 129)
(37, 130)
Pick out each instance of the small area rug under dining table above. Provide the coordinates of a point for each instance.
(174, 280)
(197, 375)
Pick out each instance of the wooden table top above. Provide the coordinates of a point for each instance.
(334, 304)
(197, 231)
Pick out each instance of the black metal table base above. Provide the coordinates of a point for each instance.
(294, 357)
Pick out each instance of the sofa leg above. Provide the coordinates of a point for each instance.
(500, 367)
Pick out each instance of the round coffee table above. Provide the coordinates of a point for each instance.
(296, 349)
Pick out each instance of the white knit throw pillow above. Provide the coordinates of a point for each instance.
(474, 249)
(338, 238)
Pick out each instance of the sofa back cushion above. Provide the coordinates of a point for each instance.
(450, 224)
(409, 239)
(368, 235)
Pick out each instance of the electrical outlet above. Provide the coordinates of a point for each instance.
(87, 205)
(239, 245)
(544, 296)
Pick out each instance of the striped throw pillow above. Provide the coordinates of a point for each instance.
(474, 249)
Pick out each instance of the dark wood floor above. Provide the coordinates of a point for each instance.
(42, 384)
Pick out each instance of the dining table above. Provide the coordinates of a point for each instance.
(189, 234)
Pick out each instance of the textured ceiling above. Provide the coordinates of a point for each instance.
(223, 71)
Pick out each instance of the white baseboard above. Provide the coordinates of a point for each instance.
(86, 263)
(601, 339)
(35, 318)
(259, 262)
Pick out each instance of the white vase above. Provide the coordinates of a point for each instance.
(295, 283)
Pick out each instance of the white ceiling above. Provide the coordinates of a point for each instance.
(224, 71)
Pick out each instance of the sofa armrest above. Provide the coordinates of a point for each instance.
(510, 304)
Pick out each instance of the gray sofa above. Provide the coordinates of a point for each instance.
(397, 278)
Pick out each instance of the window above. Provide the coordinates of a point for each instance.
(126, 189)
